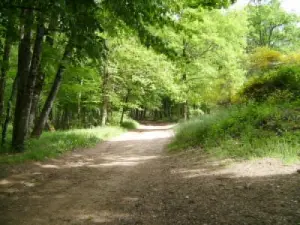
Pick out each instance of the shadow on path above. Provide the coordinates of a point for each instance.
(130, 180)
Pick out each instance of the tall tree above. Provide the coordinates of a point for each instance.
(4, 68)
(40, 77)
(8, 24)
(81, 23)
(211, 46)
(41, 121)
(272, 26)
(20, 127)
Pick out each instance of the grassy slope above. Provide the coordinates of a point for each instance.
(52, 144)
(255, 130)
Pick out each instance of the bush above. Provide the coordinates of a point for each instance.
(251, 130)
(280, 85)
(130, 124)
(196, 113)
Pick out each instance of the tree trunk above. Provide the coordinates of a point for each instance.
(22, 110)
(64, 123)
(79, 105)
(38, 88)
(170, 112)
(40, 81)
(35, 81)
(136, 117)
(124, 107)
(4, 69)
(40, 123)
(104, 110)
(105, 97)
(27, 99)
(185, 110)
(8, 109)
(49, 126)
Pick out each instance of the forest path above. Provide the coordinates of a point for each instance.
(130, 180)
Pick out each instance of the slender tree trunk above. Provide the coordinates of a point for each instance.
(63, 122)
(65, 119)
(83, 121)
(109, 112)
(8, 109)
(40, 79)
(24, 56)
(122, 115)
(144, 113)
(35, 81)
(184, 79)
(4, 69)
(5, 61)
(38, 88)
(40, 123)
(105, 96)
(49, 126)
(124, 107)
(79, 105)
(185, 110)
(104, 110)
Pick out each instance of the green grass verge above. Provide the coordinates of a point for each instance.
(53, 144)
(249, 131)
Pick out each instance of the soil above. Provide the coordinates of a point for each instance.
(133, 180)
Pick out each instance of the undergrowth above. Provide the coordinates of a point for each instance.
(245, 131)
(130, 124)
(53, 144)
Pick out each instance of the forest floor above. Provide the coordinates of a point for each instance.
(132, 180)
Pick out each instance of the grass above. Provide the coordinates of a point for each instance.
(53, 144)
(248, 131)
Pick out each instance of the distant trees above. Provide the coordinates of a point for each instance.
(273, 36)
(272, 26)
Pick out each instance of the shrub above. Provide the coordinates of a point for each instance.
(130, 124)
(281, 84)
(251, 130)
(196, 113)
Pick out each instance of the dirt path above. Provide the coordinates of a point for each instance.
(131, 180)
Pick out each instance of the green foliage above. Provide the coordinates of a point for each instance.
(53, 144)
(130, 124)
(209, 4)
(253, 130)
(196, 113)
(263, 59)
(140, 73)
(272, 26)
(281, 84)
(210, 47)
